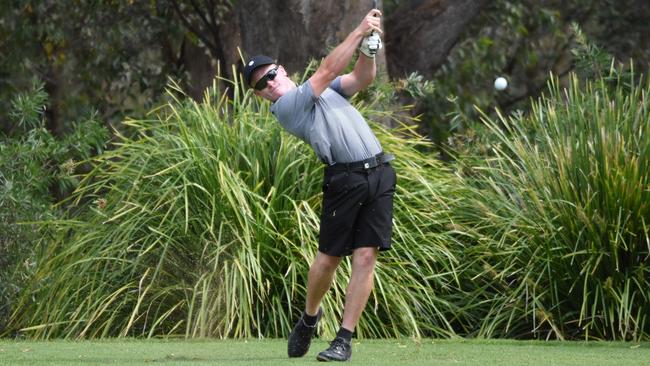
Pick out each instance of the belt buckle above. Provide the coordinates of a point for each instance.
(371, 163)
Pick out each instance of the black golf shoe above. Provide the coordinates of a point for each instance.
(301, 335)
(339, 350)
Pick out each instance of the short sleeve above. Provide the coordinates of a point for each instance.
(336, 86)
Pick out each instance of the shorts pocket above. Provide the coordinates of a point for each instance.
(342, 181)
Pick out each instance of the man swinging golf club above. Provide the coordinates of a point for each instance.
(358, 183)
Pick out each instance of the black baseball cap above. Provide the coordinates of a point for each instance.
(254, 63)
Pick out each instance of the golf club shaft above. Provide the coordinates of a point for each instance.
(374, 6)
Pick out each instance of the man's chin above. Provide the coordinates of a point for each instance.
(277, 94)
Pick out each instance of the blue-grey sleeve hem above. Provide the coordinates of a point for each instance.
(311, 90)
(336, 86)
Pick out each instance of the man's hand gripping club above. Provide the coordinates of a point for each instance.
(372, 43)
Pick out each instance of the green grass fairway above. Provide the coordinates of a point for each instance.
(365, 352)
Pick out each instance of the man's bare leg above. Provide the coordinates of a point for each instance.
(356, 297)
(360, 286)
(319, 280)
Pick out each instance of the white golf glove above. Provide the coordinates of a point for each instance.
(370, 45)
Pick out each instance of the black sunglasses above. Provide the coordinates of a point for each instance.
(264, 80)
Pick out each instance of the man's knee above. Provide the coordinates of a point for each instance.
(326, 262)
(365, 257)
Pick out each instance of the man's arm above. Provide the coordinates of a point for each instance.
(340, 57)
(363, 75)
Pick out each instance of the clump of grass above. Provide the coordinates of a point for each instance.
(205, 222)
(565, 205)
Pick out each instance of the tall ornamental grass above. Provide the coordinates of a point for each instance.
(205, 222)
(564, 214)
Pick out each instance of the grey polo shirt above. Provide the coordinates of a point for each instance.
(328, 123)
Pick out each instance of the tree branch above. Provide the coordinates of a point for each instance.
(212, 46)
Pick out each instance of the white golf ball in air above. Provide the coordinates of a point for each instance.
(500, 83)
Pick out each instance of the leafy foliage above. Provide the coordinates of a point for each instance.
(35, 167)
(205, 223)
(524, 41)
(564, 200)
(521, 41)
(113, 57)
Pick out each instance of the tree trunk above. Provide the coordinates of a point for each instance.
(420, 33)
(52, 84)
(296, 31)
(200, 68)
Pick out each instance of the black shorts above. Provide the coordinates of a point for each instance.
(357, 209)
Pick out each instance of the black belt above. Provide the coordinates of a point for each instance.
(369, 163)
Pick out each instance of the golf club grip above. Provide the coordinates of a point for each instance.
(374, 6)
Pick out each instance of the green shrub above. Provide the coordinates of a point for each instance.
(564, 210)
(35, 170)
(205, 222)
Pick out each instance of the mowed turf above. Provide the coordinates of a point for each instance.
(365, 352)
